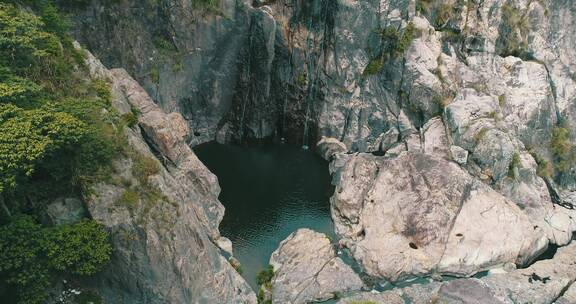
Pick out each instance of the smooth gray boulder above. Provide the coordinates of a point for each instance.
(466, 291)
(65, 210)
(414, 294)
(306, 268)
(435, 140)
(328, 146)
(419, 214)
(459, 155)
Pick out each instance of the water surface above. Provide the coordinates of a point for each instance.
(269, 191)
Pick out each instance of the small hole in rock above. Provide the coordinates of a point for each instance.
(196, 133)
(413, 246)
(362, 233)
(535, 227)
(459, 234)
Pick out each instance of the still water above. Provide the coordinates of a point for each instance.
(269, 191)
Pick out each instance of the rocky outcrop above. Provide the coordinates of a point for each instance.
(419, 214)
(64, 210)
(482, 83)
(306, 69)
(544, 282)
(327, 147)
(306, 268)
(161, 207)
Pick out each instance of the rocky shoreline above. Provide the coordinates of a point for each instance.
(449, 127)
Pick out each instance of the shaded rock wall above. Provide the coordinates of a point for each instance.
(163, 226)
(305, 69)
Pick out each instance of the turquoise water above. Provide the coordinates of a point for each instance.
(269, 191)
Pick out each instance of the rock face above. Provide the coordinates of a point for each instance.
(461, 97)
(66, 210)
(544, 282)
(301, 70)
(307, 269)
(164, 241)
(499, 75)
(418, 214)
(327, 147)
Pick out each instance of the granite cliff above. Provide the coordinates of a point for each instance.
(450, 127)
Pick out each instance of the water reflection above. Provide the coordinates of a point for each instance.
(269, 191)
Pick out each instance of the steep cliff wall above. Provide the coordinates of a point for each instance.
(488, 84)
(161, 206)
(305, 69)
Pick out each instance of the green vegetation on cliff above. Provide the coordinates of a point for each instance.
(54, 142)
(394, 44)
(564, 155)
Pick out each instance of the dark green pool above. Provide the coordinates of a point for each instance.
(269, 191)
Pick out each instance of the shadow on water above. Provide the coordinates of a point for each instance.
(269, 191)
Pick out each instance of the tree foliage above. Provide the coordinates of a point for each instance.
(28, 136)
(564, 155)
(59, 134)
(30, 255)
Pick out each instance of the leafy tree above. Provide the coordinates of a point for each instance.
(21, 258)
(28, 136)
(80, 249)
(16, 89)
(22, 39)
(59, 133)
(30, 255)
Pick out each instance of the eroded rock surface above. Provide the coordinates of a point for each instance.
(484, 83)
(163, 238)
(544, 282)
(418, 214)
(307, 269)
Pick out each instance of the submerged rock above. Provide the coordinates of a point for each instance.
(307, 269)
(419, 214)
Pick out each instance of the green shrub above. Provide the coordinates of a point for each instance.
(30, 255)
(480, 135)
(374, 66)
(513, 39)
(144, 167)
(155, 74)
(564, 153)
(395, 44)
(129, 199)
(514, 163)
(81, 248)
(502, 101)
(58, 136)
(29, 137)
(129, 119)
(266, 275)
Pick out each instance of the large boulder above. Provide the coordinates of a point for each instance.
(328, 146)
(418, 214)
(64, 210)
(545, 282)
(307, 269)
